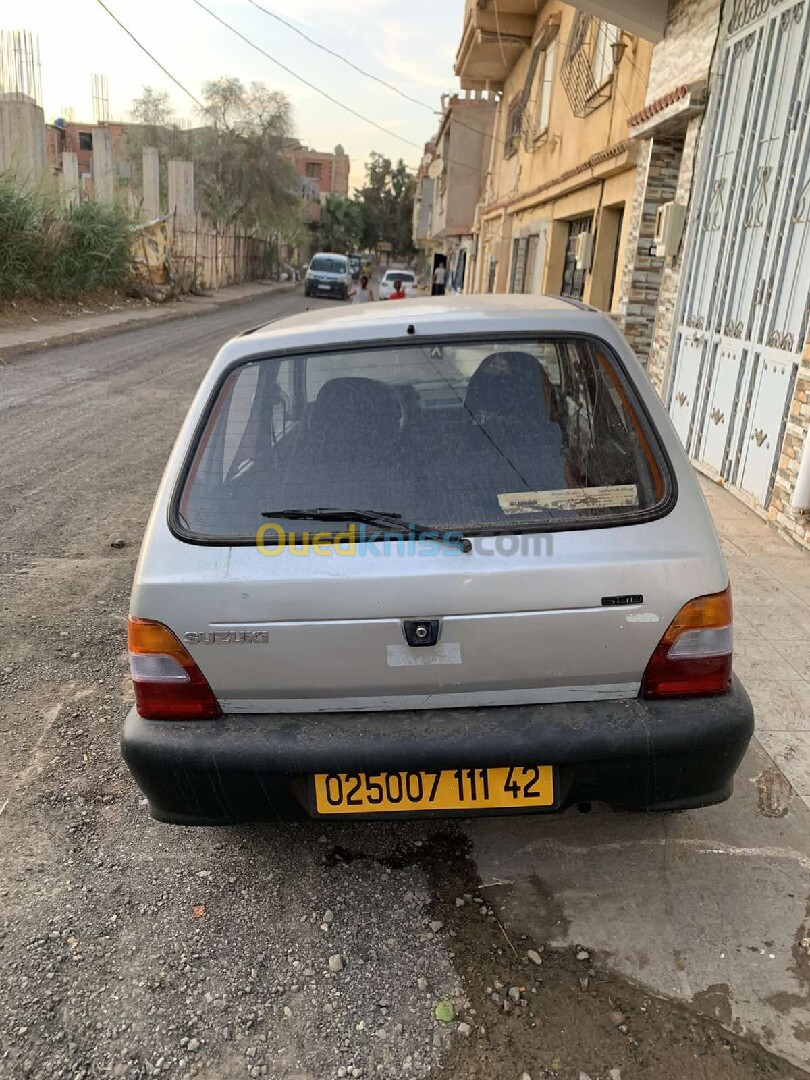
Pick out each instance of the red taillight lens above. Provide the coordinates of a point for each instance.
(168, 684)
(694, 655)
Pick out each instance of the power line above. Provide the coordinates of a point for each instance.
(343, 59)
(329, 97)
(306, 82)
(154, 59)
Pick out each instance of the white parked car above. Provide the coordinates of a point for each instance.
(432, 559)
(328, 274)
(390, 277)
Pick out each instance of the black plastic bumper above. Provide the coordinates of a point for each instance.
(635, 754)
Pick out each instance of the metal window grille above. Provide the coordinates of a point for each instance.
(518, 265)
(531, 259)
(573, 279)
(493, 266)
(577, 68)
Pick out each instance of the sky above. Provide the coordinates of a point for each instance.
(409, 43)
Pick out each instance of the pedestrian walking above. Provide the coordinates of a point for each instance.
(363, 294)
(399, 292)
(439, 280)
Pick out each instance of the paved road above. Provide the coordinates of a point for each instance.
(132, 949)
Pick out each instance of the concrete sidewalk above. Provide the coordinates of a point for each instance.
(770, 581)
(19, 340)
(707, 907)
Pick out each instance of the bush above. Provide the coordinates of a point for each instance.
(47, 250)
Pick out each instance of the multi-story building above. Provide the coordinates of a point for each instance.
(329, 171)
(423, 212)
(554, 213)
(449, 184)
(77, 138)
(717, 276)
(675, 133)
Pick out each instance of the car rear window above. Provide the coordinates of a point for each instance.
(326, 264)
(480, 437)
(400, 275)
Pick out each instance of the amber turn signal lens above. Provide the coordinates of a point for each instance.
(693, 658)
(168, 683)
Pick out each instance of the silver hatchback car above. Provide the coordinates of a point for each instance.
(447, 558)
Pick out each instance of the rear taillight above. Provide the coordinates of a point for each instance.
(694, 655)
(168, 684)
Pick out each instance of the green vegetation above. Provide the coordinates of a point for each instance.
(240, 175)
(341, 226)
(386, 199)
(381, 210)
(243, 177)
(48, 250)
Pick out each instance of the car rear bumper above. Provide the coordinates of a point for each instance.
(646, 755)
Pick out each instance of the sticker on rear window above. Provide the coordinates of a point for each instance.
(595, 498)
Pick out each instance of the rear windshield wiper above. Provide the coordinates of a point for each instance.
(380, 519)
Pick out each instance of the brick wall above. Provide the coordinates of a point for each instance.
(633, 224)
(684, 54)
(649, 288)
(663, 333)
(792, 524)
(643, 273)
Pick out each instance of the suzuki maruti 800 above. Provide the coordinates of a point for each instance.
(446, 557)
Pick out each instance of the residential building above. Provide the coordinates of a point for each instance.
(554, 212)
(449, 183)
(718, 310)
(329, 171)
(423, 212)
(77, 138)
(690, 167)
(309, 193)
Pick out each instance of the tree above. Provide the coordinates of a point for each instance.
(153, 107)
(341, 224)
(387, 199)
(240, 173)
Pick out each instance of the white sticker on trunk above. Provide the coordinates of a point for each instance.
(527, 502)
(405, 656)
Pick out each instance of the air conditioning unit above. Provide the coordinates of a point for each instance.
(669, 221)
(583, 251)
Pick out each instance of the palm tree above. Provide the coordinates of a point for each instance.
(340, 225)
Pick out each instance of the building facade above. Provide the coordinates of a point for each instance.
(77, 138)
(423, 213)
(676, 135)
(329, 171)
(555, 207)
(717, 304)
(449, 183)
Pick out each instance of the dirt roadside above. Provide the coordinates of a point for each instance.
(29, 327)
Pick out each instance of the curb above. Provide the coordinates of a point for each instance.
(76, 337)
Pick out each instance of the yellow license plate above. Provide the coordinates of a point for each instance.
(512, 787)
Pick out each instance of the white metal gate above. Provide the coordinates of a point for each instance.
(743, 311)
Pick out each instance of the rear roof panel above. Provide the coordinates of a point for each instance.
(429, 317)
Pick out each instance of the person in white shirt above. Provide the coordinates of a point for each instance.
(439, 280)
(362, 294)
